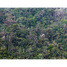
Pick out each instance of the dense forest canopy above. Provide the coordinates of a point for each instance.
(33, 33)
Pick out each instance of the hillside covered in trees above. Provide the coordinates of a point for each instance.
(33, 33)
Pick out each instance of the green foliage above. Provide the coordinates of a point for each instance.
(22, 20)
(40, 56)
(2, 16)
(32, 33)
(60, 30)
(63, 21)
(56, 28)
(50, 47)
(15, 27)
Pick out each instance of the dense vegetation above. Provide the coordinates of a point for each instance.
(33, 33)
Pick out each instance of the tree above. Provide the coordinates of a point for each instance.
(15, 27)
(2, 16)
(22, 20)
(49, 34)
(50, 49)
(39, 56)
